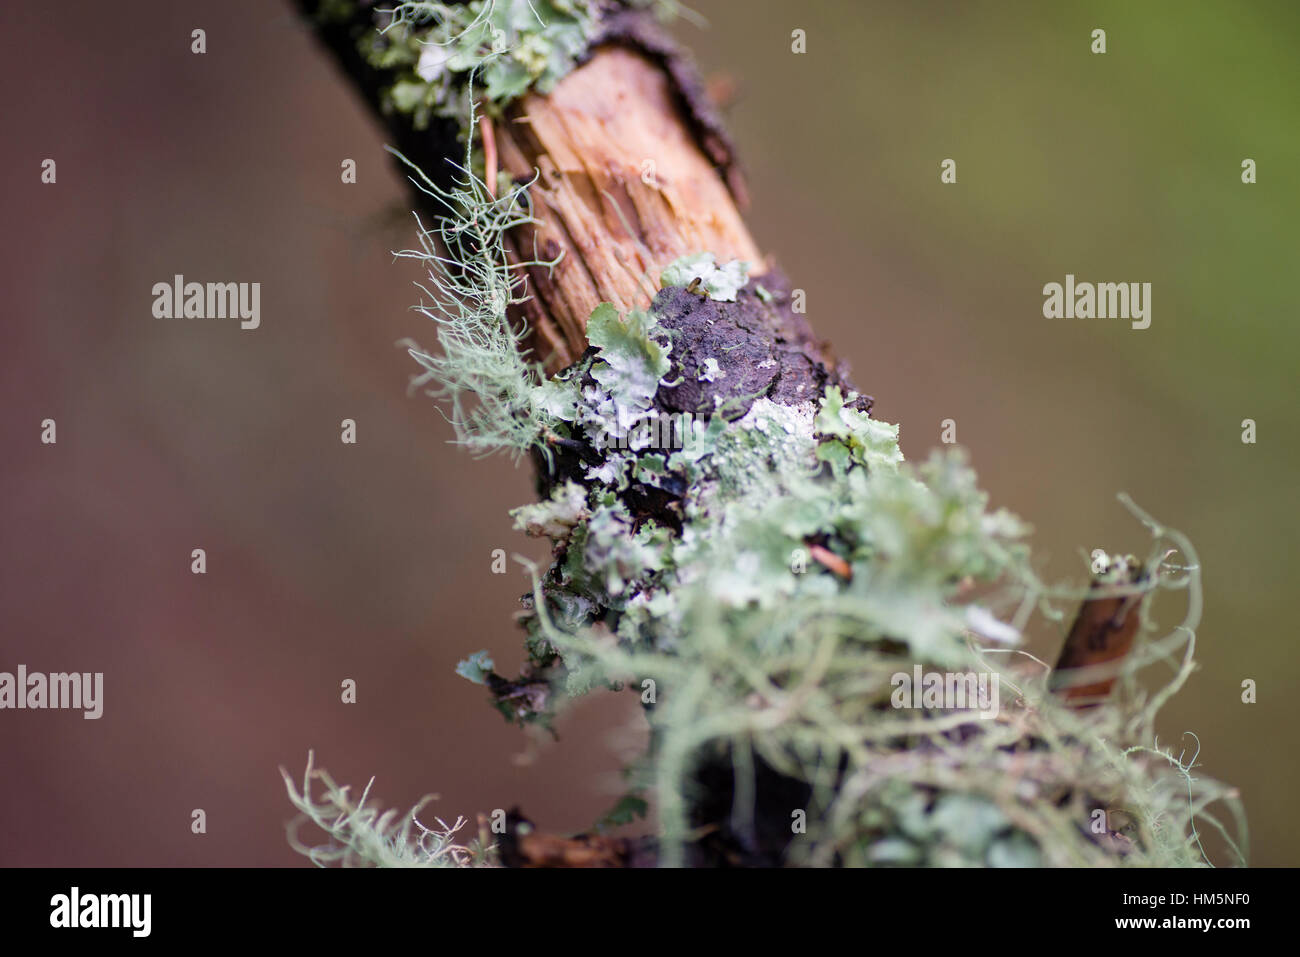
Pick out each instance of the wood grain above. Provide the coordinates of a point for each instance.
(623, 190)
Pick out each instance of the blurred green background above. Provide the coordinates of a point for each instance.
(372, 561)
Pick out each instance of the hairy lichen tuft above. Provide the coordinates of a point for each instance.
(496, 398)
(359, 834)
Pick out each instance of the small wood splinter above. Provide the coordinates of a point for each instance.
(522, 845)
(831, 562)
(1103, 633)
(488, 136)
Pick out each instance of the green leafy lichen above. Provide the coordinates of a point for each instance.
(630, 362)
(556, 517)
(438, 50)
(856, 437)
(476, 667)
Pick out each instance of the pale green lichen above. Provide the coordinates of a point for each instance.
(701, 272)
(859, 438)
(556, 517)
(437, 52)
(631, 362)
(359, 834)
(476, 667)
(509, 46)
(496, 398)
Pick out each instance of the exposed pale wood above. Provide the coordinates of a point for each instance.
(614, 153)
(1102, 634)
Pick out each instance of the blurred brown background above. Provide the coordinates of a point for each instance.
(371, 562)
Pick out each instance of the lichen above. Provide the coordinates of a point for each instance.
(701, 271)
(359, 834)
(437, 50)
(497, 399)
(770, 569)
(756, 649)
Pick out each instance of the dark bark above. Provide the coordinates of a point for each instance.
(340, 37)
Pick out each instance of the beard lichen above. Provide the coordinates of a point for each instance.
(496, 399)
(360, 834)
